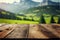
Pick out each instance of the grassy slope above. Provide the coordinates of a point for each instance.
(47, 19)
(51, 10)
(34, 11)
(17, 21)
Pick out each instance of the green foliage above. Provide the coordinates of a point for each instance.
(3, 12)
(58, 20)
(32, 14)
(52, 19)
(47, 19)
(42, 20)
(51, 10)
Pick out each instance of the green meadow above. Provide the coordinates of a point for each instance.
(9, 21)
(36, 21)
(36, 15)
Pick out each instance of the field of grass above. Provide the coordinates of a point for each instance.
(47, 20)
(32, 16)
(17, 21)
(29, 20)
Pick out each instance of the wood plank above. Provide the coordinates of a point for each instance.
(56, 24)
(3, 24)
(49, 28)
(19, 32)
(34, 32)
(30, 31)
(6, 32)
(56, 27)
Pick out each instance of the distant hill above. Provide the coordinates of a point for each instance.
(18, 7)
(53, 3)
(8, 15)
(49, 2)
(51, 10)
(24, 5)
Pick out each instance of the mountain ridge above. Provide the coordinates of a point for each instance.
(24, 5)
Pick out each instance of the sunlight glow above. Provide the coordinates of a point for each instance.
(9, 1)
(37, 0)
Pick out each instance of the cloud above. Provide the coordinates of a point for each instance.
(37, 0)
(56, 0)
(9, 1)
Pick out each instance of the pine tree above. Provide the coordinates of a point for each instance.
(42, 20)
(32, 19)
(24, 18)
(52, 19)
(59, 20)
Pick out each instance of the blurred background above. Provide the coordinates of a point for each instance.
(30, 11)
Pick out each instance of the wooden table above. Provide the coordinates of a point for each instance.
(32, 31)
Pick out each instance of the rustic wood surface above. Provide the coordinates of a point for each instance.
(30, 31)
(19, 32)
(6, 31)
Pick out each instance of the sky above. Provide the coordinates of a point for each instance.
(11, 1)
(37, 0)
(56, 0)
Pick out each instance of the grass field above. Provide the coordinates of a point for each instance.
(47, 20)
(35, 18)
(17, 21)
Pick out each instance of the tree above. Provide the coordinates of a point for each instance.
(32, 19)
(59, 20)
(24, 18)
(52, 19)
(42, 20)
